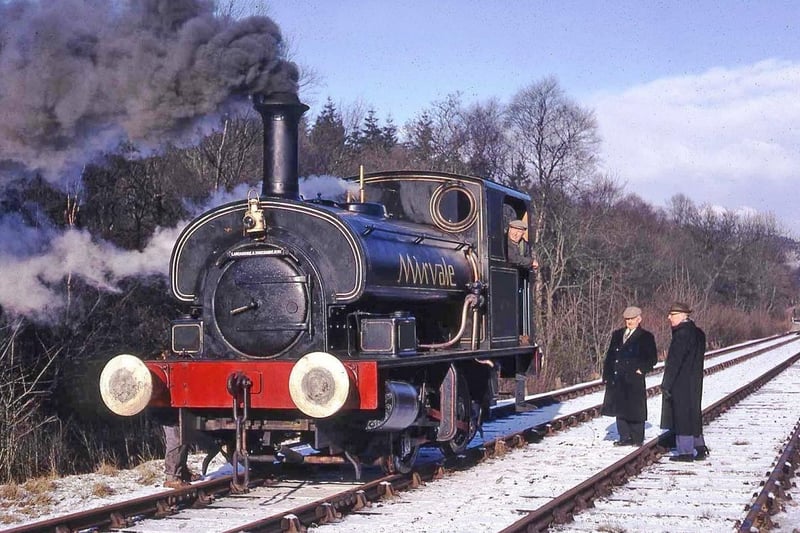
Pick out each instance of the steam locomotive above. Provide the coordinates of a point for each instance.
(365, 328)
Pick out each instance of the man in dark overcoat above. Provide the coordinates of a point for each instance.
(682, 385)
(631, 354)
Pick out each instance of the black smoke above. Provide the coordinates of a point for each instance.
(77, 77)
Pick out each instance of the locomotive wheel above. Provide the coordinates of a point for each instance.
(468, 415)
(404, 455)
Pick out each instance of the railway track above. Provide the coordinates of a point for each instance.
(581, 464)
(712, 495)
(296, 503)
(746, 438)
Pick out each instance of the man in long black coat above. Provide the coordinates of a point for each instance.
(631, 354)
(682, 385)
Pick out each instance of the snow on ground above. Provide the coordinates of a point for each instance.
(788, 521)
(71, 494)
(82, 492)
(496, 493)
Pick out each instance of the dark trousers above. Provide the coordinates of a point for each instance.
(633, 431)
(177, 454)
(687, 444)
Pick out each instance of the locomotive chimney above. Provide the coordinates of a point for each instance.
(281, 114)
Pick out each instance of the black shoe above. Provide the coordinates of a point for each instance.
(702, 453)
(683, 458)
(623, 442)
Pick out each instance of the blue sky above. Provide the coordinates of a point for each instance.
(700, 98)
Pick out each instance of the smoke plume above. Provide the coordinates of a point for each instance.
(328, 188)
(35, 261)
(79, 76)
(30, 286)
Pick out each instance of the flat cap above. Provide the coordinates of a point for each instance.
(680, 307)
(631, 312)
(518, 224)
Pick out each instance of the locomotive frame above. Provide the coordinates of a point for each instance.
(364, 328)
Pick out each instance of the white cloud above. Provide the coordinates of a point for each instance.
(727, 136)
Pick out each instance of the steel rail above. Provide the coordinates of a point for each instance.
(123, 514)
(769, 500)
(561, 509)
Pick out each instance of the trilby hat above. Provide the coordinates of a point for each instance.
(518, 224)
(680, 307)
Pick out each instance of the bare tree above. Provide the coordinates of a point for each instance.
(737, 259)
(230, 155)
(486, 149)
(555, 145)
(23, 388)
(438, 136)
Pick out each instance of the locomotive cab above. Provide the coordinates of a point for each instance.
(474, 212)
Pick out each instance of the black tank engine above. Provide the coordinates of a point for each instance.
(365, 328)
